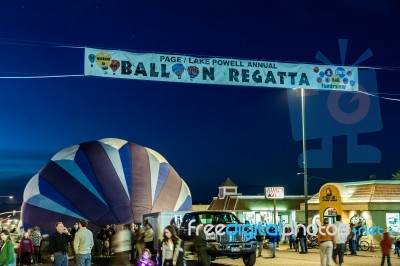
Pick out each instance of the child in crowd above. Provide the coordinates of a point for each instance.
(146, 258)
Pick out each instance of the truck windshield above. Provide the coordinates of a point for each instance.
(218, 218)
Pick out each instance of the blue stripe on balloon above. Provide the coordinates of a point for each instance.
(162, 177)
(125, 154)
(186, 205)
(49, 192)
(43, 202)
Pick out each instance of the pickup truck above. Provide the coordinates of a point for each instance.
(211, 241)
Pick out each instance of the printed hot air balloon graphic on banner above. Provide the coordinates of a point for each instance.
(109, 181)
(193, 72)
(91, 58)
(178, 69)
(103, 60)
(114, 65)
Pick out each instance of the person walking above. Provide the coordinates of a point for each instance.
(340, 240)
(274, 238)
(7, 249)
(170, 247)
(122, 245)
(58, 245)
(260, 241)
(326, 243)
(386, 246)
(352, 240)
(37, 241)
(83, 244)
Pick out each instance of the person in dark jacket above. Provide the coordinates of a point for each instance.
(274, 238)
(58, 245)
(302, 239)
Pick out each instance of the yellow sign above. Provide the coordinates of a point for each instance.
(330, 201)
(329, 196)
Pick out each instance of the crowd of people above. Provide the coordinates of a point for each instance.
(133, 244)
(129, 244)
(331, 242)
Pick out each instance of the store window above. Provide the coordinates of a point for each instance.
(330, 213)
(393, 223)
(358, 220)
(249, 217)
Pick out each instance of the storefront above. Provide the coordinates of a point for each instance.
(256, 209)
(365, 203)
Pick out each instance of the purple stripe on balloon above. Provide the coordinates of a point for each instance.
(141, 182)
(114, 193)
(170, 193)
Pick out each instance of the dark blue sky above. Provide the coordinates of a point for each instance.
(207, 133)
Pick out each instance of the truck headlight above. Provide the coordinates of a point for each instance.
(210, 236)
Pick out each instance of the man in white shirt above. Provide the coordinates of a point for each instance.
(83, 244)
(340, 239)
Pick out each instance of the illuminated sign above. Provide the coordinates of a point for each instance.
(274, 192)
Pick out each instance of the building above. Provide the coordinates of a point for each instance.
(366, 203)
(258, 208)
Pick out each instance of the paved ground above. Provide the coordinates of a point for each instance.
(284, 257)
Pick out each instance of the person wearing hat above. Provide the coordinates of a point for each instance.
(83, 244)
(7, 249)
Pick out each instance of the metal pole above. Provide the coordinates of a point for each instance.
(274, 211)
(303, 128)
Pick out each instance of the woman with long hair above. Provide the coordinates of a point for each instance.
(6, 249)
(170, 247)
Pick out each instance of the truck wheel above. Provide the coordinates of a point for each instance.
(203, 258)
(250, 259)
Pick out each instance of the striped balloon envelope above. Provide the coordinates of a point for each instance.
(109, 181)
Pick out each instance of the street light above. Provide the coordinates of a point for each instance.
(303, 130)
(10, 197)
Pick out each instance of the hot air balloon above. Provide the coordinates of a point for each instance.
(103, 60)
(109, 181)
(178, 69)
(91, 57)
(114, 65)
(193, 72)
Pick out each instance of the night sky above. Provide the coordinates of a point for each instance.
(206, 132)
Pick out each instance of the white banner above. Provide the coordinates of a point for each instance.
(219, 71)
(274, 192)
